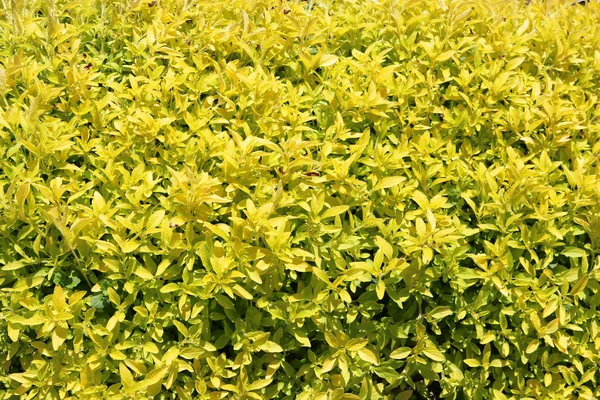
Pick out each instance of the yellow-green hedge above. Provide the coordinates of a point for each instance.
(324, 199)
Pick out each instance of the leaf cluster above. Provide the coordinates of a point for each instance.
(325, 199)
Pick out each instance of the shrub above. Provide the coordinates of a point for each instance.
(326, 199)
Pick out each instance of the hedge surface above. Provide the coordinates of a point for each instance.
(327, 199)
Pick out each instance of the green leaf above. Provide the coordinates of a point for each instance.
(98, 301)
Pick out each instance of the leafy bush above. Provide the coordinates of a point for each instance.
(331, 199)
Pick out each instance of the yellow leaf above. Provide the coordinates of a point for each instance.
(471, 362)
(22, 193)
(331, 340)
(574, 252)
(387, 248)
(155, 376)
(13, 332)
(562, 342)
(580, 285)
(113, 296)
(420, 198)
(523, 27)
(35, 320)
(420, 227)
(58, 299)
(431, 219)
(126, 376)
(355, 344)
(551, 306)
(514, 63)
(21, 377)
(271, 347)
(321, 275)
(170, 355)
(150, 347)
(401, 353)
(533, 346)
(12, 266)
(333, 211)
(117, 355)
(169, 287)
(498, 395)
(299, 266)
(240, 291)
(368, 356)
(129, 246)
(144, 273)
(259, 384)
(445, 55)
(547, 379)
(328, 60)
(380, 289)
(155, 219)
(162, 267)
(190, 353)
(439, 312)
(427, 255)
(328, 365)
(434, 354)
(76, 297)
(57, 339)
(388, 182)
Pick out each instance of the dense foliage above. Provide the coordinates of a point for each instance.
(325, 199)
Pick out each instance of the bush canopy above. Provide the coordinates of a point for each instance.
(274, 199)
